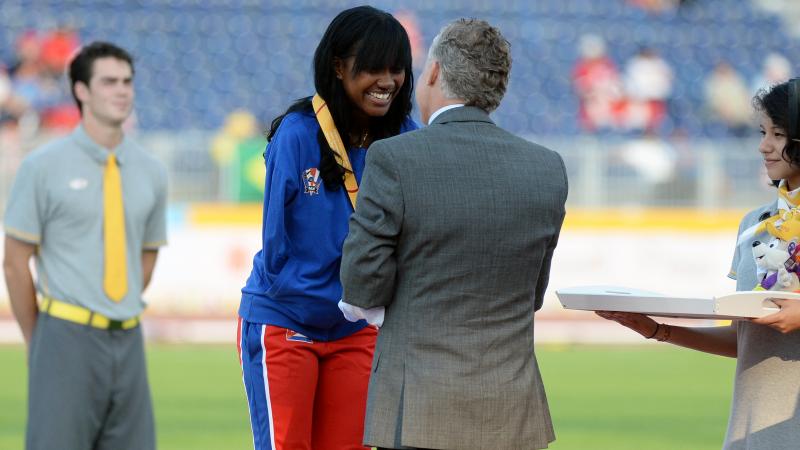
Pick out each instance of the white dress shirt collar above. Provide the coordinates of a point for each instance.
(443, 109)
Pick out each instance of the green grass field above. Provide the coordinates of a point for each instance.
(614, 398)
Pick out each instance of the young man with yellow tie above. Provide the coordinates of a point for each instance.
(90, 209)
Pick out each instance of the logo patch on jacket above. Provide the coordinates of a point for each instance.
(311, 181)
(294, 336)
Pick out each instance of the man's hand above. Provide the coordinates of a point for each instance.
(786, 320)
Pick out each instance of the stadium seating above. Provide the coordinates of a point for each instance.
(197, 60)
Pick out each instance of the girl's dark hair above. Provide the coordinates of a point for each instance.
(377, 41)
(774, 102)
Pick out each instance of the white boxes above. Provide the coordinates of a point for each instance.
(744, 304)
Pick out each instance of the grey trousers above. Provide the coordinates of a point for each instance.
(87, 389)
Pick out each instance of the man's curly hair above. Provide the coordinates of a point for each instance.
(475, 62)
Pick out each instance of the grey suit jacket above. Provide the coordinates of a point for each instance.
(454, 232)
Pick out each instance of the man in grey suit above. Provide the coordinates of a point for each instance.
(452, 240)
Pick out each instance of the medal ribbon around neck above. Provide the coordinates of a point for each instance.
(334, 140)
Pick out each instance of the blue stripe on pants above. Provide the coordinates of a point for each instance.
(254, 375)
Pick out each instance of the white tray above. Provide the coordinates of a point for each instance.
(615, 298)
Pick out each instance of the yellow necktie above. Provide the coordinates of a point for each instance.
(115, 277)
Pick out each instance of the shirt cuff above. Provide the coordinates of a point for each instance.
(373, 316)
(23, 236)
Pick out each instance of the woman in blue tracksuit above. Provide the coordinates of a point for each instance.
(305, 367)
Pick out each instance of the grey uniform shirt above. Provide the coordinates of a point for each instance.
(765, 411)
(56, 202)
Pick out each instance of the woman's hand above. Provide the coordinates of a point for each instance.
(637, 322)
(786, 320)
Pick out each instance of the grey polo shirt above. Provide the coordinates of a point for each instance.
(56, 202)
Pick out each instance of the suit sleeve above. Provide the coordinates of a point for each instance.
(369, 259)
(544, 270)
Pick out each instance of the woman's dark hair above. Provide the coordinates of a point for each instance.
(377, 41)
(775, 103)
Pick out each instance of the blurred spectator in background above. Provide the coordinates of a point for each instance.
(727, 99)
(57, 48)
(409, 22)
(648, 86)
(775, 70)
(12, 107)
(27, 50)
(687, 161)
(657, 6)
(60, 115)
(38, 78)
(237, 150)
(24, 75)
(652, 160)
(597, 84)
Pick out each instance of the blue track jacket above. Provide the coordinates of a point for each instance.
(295, 279)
